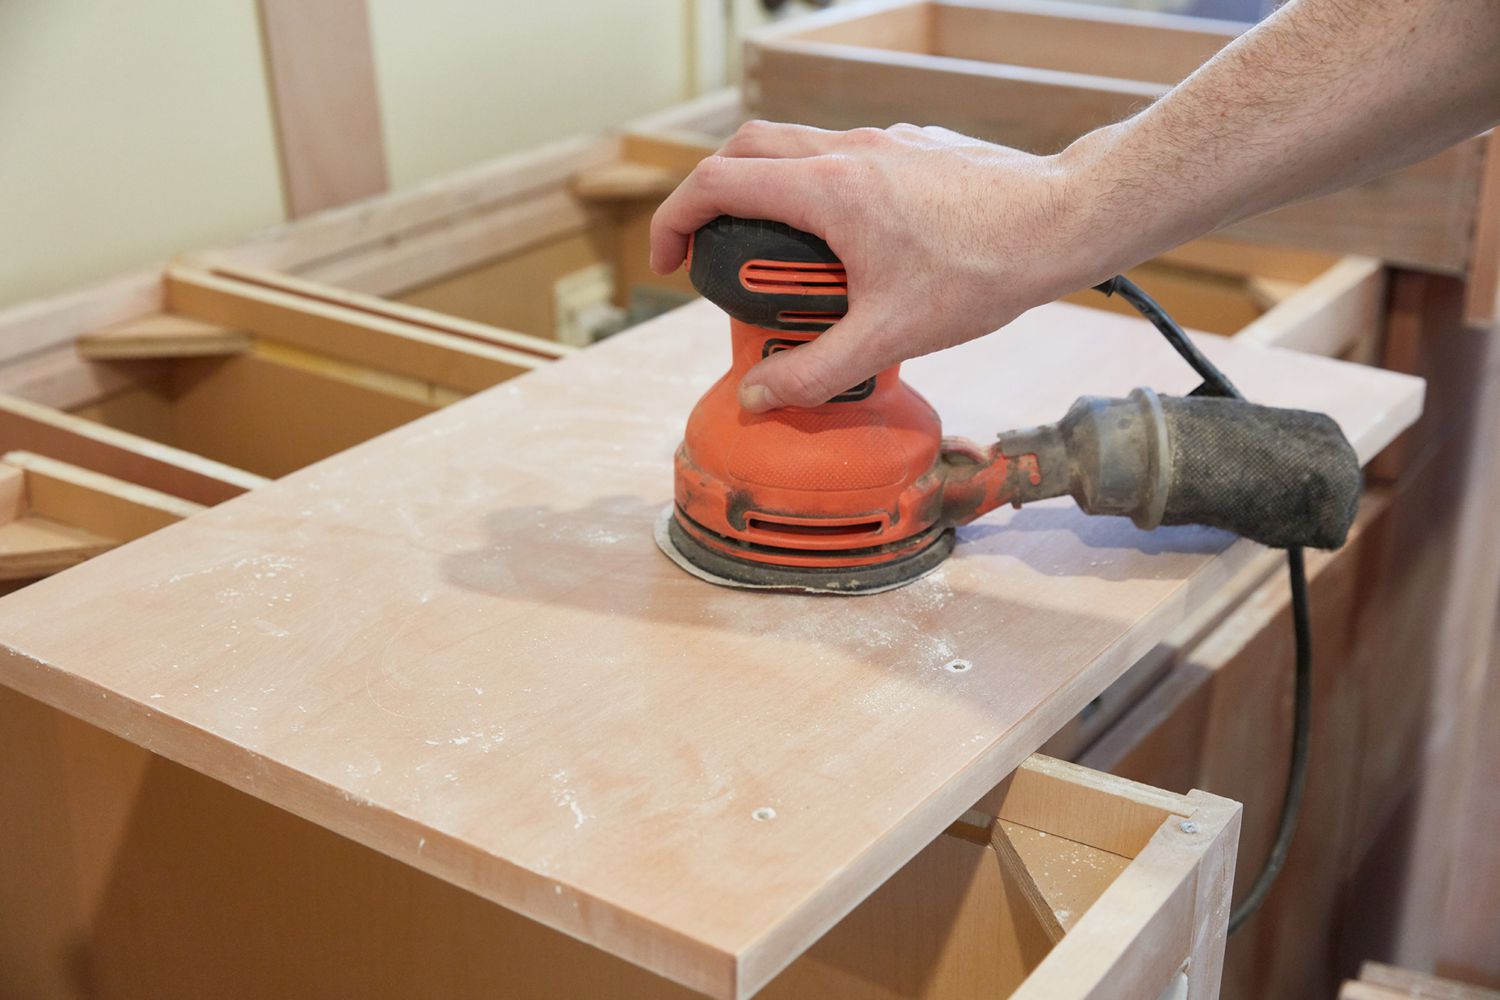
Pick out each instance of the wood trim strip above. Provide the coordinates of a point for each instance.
(321, 69)
(355, 229)
(1482, 302)
(343, 332)
(1333, 313)
(33, 427)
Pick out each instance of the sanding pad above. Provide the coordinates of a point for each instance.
(720, 570)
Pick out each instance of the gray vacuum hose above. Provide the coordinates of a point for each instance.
(1279, 476)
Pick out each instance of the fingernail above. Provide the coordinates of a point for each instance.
(758, 399)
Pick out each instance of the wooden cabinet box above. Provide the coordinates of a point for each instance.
(401, 671)
(1036, 76)
(187, 888)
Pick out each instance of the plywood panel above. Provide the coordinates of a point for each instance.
(457, 644)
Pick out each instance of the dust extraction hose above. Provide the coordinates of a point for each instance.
(1278, 476)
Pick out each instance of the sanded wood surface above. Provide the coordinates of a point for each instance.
(457, 644)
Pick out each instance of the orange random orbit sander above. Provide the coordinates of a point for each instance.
(863, 494)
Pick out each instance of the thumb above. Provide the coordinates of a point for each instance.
(814, 372)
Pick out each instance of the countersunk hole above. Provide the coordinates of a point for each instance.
(763, 814)
(958, 666)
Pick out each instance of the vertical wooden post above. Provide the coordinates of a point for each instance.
(321, 71)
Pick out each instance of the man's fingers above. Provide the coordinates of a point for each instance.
(754, 188)
(815, 372)
(779, 140)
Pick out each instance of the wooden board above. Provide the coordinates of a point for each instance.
(321, 72)
(457, 644)
(161, 335)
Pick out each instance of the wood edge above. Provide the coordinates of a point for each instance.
(197, 465)
(774, 33)
(1218, 821)
(1160, 20)
(145, 338)
(949, 66)
(238, 303)
(1329, 314)
(43, 466)
(430, 319)
(1139, 933)
(1015, 872)
(1482, 297)
(361, 225)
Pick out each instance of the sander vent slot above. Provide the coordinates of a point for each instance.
(815, 530)
(793, 316)
(786, 278)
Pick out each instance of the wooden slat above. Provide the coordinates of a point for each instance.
(1336, 311)
(344, 332)
(98, 503)
(624, 180)
(537, 347)
(161, 335)
(567, 724)
(407, 261)
(33, 427)
(837, 86)
(355, 229)
(321, 71)
(1125, 44)
(1482, 304)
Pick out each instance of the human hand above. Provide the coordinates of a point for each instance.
(944, 238)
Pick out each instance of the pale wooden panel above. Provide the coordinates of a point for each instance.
(327, 111)
(257, 413)
(467, 654)
(1129, 45)
(836, 86)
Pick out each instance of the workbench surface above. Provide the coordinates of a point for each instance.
(458, 644)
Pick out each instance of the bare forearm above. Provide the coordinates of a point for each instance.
(1324, 94)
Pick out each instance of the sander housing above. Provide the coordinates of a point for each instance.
(863, 493)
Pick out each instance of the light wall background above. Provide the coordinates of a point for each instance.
(133, 131)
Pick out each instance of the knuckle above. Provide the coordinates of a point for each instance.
(710, 170)
(806, 383)
(866, 136)
(752, 129)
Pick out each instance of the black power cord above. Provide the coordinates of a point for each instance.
(1216, 383)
